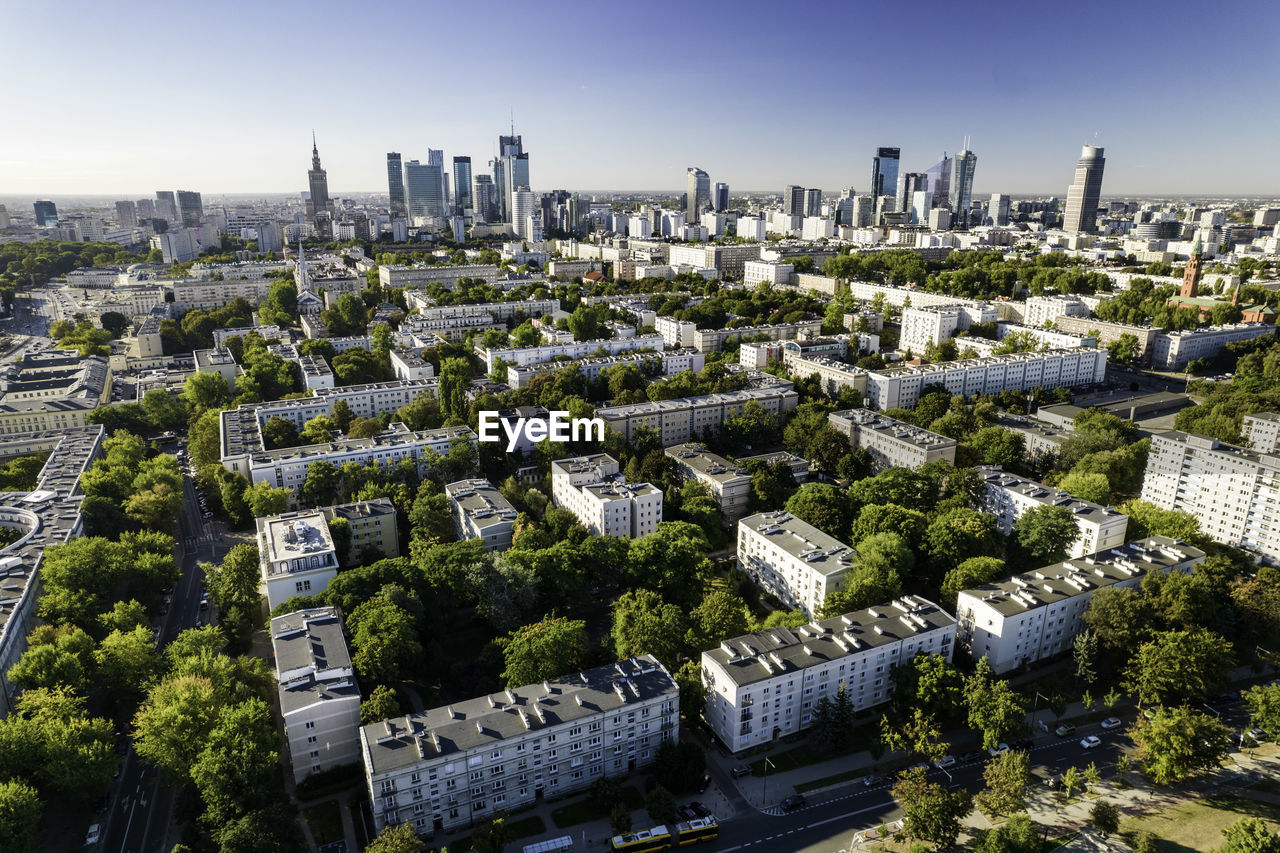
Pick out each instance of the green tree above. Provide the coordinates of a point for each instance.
(644, 624)
(931, 683)
(1044, 533)
(397, 838)
(56, 656)
(1007, 776)
(661, 805)
(1263, 702)
(1147, 519)
(1019, 834)
(263, 499)
(918, 734)
(278, 432)
(236, 581)
(382, 704)
(1088, 486)
(20, 811)
(823, 506)
(455, 377)
(995, 709)
(128, 665)
(832, 726)
(910, 524)
(1085, 656)
(620, 818)
(956, 535)
(973, 572)
(672, 560)
(1179, 666)
(546, 649)
(721, 616)
(320, 488)
(385, 637)
(1249, 835)
(1176, 743)
(234, 772)
(998, 446)
(931, 814)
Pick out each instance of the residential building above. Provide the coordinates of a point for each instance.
(1008, 497)
(675, 333)
(577, 349)
(373, 527)
(727, 482)
(1108, 332)
(755, 273)
(480, 511)
(933, 324)
(500, 312)
(691, 418)
(218, 360)
(1037, 615)
(407, 365)
(728, 260)
(416, 277)
(316, 686)
(1231, 491)
(711, 340)
(454, 766)
(667, 363)
(1043, 310)
(297, 555)
(1175, 350)
(892, 443)
(1047, 338)
(1085, 192)
(53, 390)
(766, 685)
(593, 489)
(792, 560)
(1262, 432)
(834, 374)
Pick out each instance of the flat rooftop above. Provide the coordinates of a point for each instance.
(1045, 495)
(481, 502)
(706, 463)
(865, 419)
(823, 553)
(294, 535)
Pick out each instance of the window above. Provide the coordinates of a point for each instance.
(311, 724)
(311, 739)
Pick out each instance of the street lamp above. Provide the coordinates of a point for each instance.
(765, 791)
(1035, 703)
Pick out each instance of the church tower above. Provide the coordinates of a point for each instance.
(1191, 277)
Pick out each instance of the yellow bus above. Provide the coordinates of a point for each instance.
(644, 841)
(696, 830)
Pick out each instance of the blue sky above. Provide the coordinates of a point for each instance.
(128, 98)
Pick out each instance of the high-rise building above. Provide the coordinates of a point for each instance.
(146, 209)
(1085, 191)
(166, 206)
(813, 202)
(884, 172)
(395, 185)
(698, 194)
(793, 200)
(909, 183)
(5, 222)
(46, 213)
(485, 198)
(319, 207)
(938, 181)
(864, 210)
(463, 198)
(998, 210)
(126, 214)
(921, 206)
(190, 208)
(524, 207)
(510, 170)
(721, 197)
(424, 188)
(962, 187)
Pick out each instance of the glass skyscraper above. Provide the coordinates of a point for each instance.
(938, 180)
(1084, 193)
(395, 185)
(462, 183)
(884, 172)
(698, 194)
(962, 187)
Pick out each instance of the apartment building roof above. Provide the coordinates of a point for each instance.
(619, 488)
(762, 655)
(293, 535)
(209, 359)
(982, 361)
(824, 553)
(307, 645)
(681, 403)
(485, 720)
(865, 419)
(481, 502)
(706, 463)
(1068, 579)
(360, 510)
(397, 435)
(1205, 442)
(1044, 495)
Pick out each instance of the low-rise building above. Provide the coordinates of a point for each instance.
(727, 482)
(933, 324)
(755, 273)
(666, 363)
(594, 490)
(676, 333)
(453, 766)
(798, 466)
(1108, 333)
(892, 443)
(316, 685)
(713, 340)
(409, 366)
(396, 277)
(1175, 350)
(480, 511)
(218, 360)
(297, 555)
(1038, 614)
(1042, 310)
(53, 390)
(1008, 496)
(692, 418)
(373, 527)
(792, 559)
(269, 333)
(316, 372)
(574, 350)
(833, 374)
(766, 685)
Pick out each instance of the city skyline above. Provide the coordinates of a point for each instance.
(1026, 124)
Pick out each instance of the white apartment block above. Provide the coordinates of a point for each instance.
(892, 443)
(817, 228)
(297, 555)
(729, 260)
(866, 291)
(755, 273)
(1047, 338)
(691, 418)
(316, 684)
(766, 685)
(480, 511)
(316, 373)
(1234, 493)
(875, 320)
(1038, 614)
(447, 768)
(579, 349)
(417, 277)
(1041, 310)
(676, 333)
(1262, 432)
(454, 328)
(219, 361)
(711, 340)
(792, 559)
(1174, 350)
(1108, 333)
(408, 366)
(593, 489)
(506, 312)
(1008, 496)
(901, 386)
(221, 336)
(728, 483)
(933, 324)
(666, 363)
(834, 374)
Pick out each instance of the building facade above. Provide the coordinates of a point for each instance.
(892, 443)
(1085, 192)
(1008, 497)
(792, 559)
(482, 512)
(691, 418)
(728, 483)
(594, 490)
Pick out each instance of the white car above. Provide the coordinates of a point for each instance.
(944, 762)
(1111, 722)
(997, 749)
(94, 835)
(1090, 742)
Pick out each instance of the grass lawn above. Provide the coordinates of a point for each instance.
(325, 821)
(582, 810)
(1198, 825)
(1267, 786)
(830, 780)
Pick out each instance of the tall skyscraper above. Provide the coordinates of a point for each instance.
(884, 172)
(813, 202)
(793, 200)
(319, 207)
(485, 198)
(166, 206)
(190, 208)
(46, 213)
(146, 209)
(938, 181)
(697, 195)
(395, 185)
(1084, 192)
(721, 197)
(510, 170)
(998, 210)
(524, 214)
(126, 214)
(909, 183)
(962, 187)
(462, 192)
(424, 186)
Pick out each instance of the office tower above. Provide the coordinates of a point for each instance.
(962, 187)
(793, 200)
(46, 213)
(813, 202)
(884, 172)
(269, 237)
(146, 209)
(524, 207)
(510, 170)
(485, 198)
(938, 181)
(424, 188)
(909, 183)
(166, 206)
(1084, 192)
(5, 222)
(448, 194)
(126, 214)
(698, 193)
(190, 208)
(395, 185)
(864, 207)
(462, 194)
(921, 205)
(721, 197)
(998, 210)
(319, 207)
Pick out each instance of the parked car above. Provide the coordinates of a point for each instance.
(1065, 730)
(997, 749)
(739, 772)
(1111, 722)
(94, 835)
(1090, 742)
(971, 755)
(945, 761)
(793, 802)
(699, 810)
(869, 780)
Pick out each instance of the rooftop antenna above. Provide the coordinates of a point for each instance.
(513, 121)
